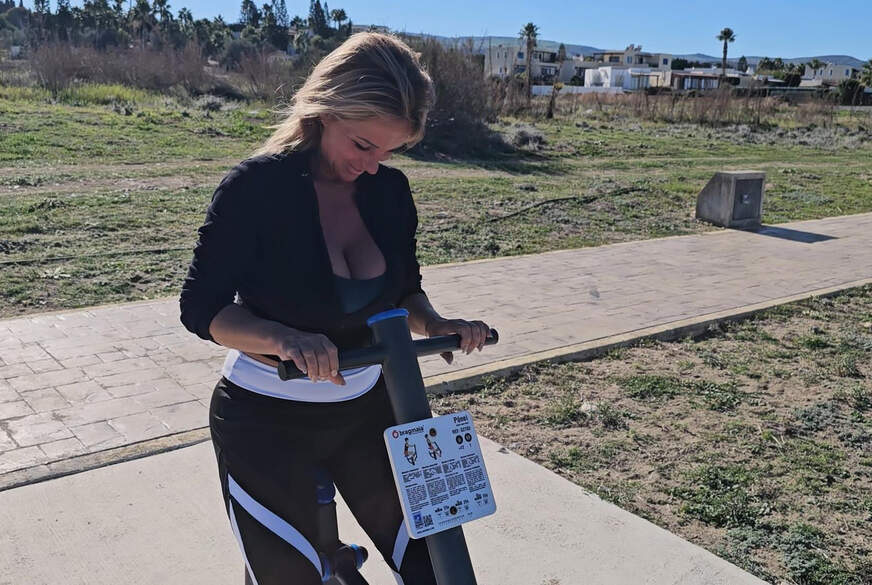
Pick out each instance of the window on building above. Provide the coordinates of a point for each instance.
(630, 60)
(520, 54)
(847, 73)
(614, 59)
(665, 61)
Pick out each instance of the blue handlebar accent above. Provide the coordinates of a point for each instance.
(389, 314)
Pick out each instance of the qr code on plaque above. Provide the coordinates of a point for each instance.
(422, 521)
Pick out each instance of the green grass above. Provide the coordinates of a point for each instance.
(93, 169)
(767, 467)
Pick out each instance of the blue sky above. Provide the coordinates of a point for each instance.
(775, 28)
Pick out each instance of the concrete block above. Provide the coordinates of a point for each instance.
(733, 199)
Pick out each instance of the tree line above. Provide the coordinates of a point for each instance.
(119, 24)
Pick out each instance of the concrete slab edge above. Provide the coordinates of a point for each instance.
(89, 461)
(457, 381)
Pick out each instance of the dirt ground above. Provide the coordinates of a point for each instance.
(754, 441)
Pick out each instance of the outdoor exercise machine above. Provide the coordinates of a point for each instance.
(398, 354)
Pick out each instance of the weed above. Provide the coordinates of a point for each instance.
(717, 396)
(646, 387)
(565, 459)
(844, 365)
(686, 365)
(806, 560)
(564, 412)
(857, 395)
(616, 354)
(611, 417)
(817, 466)
(712, 359)
(817, 417)
(812, 341)
(721, 495)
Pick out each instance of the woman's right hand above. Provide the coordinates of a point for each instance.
(313, 354)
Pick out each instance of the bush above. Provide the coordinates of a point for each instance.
(524, 136)
(234, 53)
(57, 65)
(457, 123)
(850, 92)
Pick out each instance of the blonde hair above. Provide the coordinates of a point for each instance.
(370, 75)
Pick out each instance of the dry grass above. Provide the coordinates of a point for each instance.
(58, 66)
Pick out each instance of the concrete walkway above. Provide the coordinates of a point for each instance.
(78, 388)
(87, 381)
(160, 521)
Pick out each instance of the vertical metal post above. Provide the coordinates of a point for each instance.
(408, 397)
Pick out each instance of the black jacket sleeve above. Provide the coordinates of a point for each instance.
(412, 269)
(226, 246)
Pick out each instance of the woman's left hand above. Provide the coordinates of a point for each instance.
(472, 334)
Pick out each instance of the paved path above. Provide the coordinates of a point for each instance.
(160, 521)
(89, 380)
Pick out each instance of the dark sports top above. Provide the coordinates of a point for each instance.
(355, 293)
(262, 244)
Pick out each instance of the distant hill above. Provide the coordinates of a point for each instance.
(480, 45)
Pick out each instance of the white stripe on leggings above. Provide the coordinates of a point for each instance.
(275, 524)
(400, 545)
(239, 540)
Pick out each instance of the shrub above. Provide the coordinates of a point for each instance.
(523, 135)
(57, 65)
(234, 53)
(268, 76)
(457, 123)
(850, 92)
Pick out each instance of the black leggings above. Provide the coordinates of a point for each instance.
(267, 449)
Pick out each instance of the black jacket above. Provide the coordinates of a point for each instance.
(262, 240)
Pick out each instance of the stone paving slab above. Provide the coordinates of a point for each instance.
(79, 382)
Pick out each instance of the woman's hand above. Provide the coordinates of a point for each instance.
(313, 354)
(472, 334)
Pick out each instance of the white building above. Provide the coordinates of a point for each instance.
(832, 74)
(633, 56)
(628, 78)
(505, 60)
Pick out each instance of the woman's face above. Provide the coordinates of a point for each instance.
(351, 147)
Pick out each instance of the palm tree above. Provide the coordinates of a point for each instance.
(728, 36)
(338, 15)
(161, 9)
(556, 85)
(529, 34)
(816, 64)
(186, 22)
(141, 16)
(866, 74)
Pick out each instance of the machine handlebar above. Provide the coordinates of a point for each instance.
(369, 356)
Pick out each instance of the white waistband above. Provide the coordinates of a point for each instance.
(263, 379)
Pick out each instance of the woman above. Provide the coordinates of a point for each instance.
(301, 244)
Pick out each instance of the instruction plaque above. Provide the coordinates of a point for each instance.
(439, 473)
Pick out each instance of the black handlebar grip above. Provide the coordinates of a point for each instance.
(369, 356)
